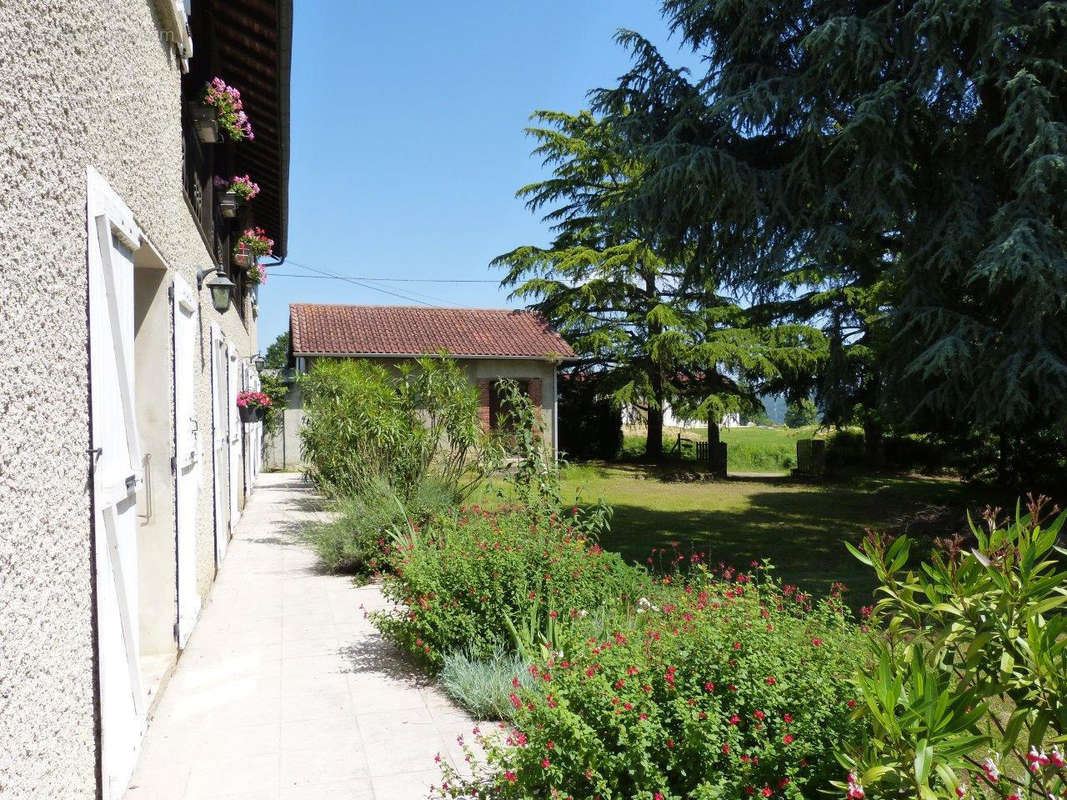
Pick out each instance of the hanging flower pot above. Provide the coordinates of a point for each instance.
(252, 406)
(252, 245)
(242, 257)
(205, 123)
(224, 103)
(237, 191)
(244, 187)
(257, 274)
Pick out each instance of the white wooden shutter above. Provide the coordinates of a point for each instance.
(188, 453)
(220, 450)
(234, 377)
(116, 457)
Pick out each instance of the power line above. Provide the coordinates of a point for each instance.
(357, 282)
(392, 280)
(384, 280)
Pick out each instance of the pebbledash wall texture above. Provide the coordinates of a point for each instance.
(81, 84)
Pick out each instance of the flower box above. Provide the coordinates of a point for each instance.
(225, 106)
(205, 123)
(243, 258)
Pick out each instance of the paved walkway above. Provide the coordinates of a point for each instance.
(286, 691)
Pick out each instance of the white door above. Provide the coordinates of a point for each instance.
(220, 437)
(116, 461)
(234, 383)
(187, 450)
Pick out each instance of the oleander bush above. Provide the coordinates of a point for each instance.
(969, 698)
(725, 687)
(365, 423)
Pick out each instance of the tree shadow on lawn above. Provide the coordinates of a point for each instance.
(801, 530)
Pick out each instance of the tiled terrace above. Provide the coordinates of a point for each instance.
(286, 690)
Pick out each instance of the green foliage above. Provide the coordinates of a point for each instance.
(656, 330)
(277, 355)
(971, 663)
(277, 388)
(483, 686)
(590, 424)
(720, 688)
(470, 578)
(358, 537)
(892, 172)
(365, 423)
(753, 453)
(846, 449)
(801, 413)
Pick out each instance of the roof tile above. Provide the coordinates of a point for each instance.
(411, 331)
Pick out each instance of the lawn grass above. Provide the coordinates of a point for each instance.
(801, 527)
(763, 449)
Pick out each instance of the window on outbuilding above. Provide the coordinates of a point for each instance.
(499, 409)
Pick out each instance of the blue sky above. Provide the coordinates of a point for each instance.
(408, 143)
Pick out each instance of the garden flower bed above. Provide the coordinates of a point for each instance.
(701, 683)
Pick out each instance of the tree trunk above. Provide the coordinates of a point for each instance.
(874, 441)
(654, 440)
(714, 450)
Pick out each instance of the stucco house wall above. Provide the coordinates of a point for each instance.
(488, 369)
(81, 84)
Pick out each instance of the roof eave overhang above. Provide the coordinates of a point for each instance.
(256, 56)
(470, 356)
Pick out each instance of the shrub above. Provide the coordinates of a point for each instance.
(720, 689)
(483, 686)
(590, 424)
(802, 413)
(364, 423)
(972, 666)
(475, 579)
(359, 538)
(277, 389)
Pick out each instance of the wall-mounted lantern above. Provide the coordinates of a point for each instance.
(220, 287)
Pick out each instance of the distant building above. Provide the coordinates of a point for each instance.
(488, 344)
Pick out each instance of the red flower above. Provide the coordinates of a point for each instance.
(737, 645)
(770, 681)
(787, 718)
(515, 701)
(546, 763)
(817, 642)
(788, 738)
(510, 776)
(726, 749)
(766, 791)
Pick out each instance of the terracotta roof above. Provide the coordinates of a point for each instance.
(412, 331)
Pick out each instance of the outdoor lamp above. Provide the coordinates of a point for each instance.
(219, 285)
(258, 361)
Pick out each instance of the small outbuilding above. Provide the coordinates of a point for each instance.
(489, 344)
